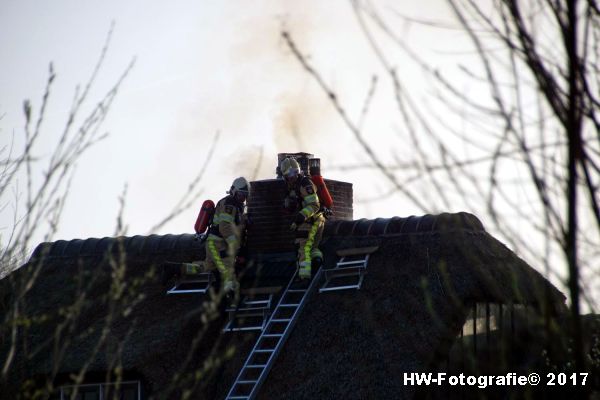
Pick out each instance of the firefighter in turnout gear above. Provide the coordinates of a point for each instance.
(309, 221)
(225, 233)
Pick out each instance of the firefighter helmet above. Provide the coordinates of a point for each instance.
(290, 167)
(240, 185)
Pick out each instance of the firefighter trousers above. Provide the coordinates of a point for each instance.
(308, 237)
(218, 258)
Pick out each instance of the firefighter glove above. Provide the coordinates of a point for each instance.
(230, 286)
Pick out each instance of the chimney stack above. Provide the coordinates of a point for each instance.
(269, 232)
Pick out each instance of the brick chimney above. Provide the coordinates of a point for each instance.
(270, 232)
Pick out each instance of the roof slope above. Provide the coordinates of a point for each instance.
(87, 303)
(356, 344)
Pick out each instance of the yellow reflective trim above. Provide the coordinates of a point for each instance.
(231, 239)
(191, 269)
(306, 212)
(226, 217)
(311, 198)
(308, 246)
(215, 254)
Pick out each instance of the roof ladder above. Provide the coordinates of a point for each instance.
(349, 271)
(271, 340)
(251, 314)
(190, 278)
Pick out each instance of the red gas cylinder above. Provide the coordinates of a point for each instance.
(204, 216)
(314, 165)
(322, 192)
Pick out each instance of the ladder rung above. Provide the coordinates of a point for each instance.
(357, 251)
(242, 309)
(256, 365)
(188, 281)
(179, 291)
(232, 327)
(332, 288)
(357, 262)
(343, 275)
(298, 302)
(254, 302)
(357, 269)
(245, 329)
(247, 315)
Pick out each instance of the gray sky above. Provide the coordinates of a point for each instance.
(201, 67)
(208, 66)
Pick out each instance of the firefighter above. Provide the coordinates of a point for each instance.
(225, 233)
(308, 222)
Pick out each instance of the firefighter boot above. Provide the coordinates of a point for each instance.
(304, 272)
(231, 289)
(193, 268)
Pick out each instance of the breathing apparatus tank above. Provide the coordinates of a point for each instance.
(315, 175)
(204, 216)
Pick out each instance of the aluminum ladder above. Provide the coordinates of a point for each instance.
(251, 314)
(187, 283)
(271, 340)
(349, 271)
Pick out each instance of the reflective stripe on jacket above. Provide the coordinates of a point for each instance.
(227, 220)
(306, 191)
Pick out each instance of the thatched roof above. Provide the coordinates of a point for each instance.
(350, 344)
